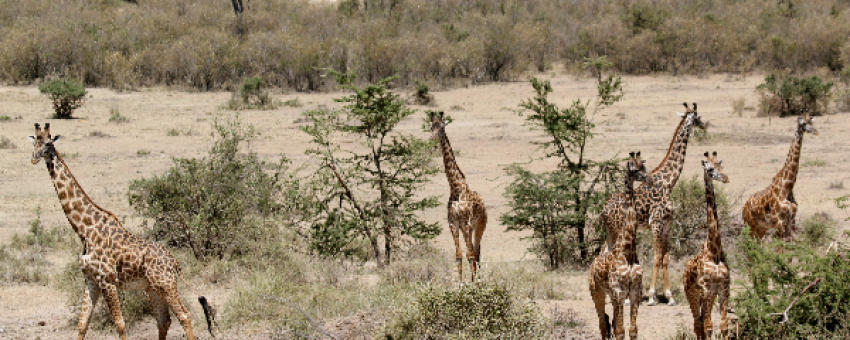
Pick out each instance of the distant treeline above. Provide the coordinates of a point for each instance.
(201, 43)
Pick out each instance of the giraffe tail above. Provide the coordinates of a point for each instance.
(209, 310)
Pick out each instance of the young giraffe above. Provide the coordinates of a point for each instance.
(652, 201)
(467, 212)
(775, 207)
(706, 274)
(112, 257)
(616, 272)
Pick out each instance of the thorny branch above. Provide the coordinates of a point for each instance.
(785, 313)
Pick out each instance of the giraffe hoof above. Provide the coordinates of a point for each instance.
(652, 302)
(626, 302)
(671, 302)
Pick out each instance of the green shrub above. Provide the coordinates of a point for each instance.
(789, 95)
(687, 227)
(778, 277)
(116, 116)
(817, 230)
(216, 206)
(474, 311)
(67, 95)
(422, 96)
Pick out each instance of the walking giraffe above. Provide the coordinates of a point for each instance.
(652, 201)
(706, 274)
(467, 212)
(112, 257)
(775, 207)
(616, 271)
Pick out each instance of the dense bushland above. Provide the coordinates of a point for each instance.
(199, 44)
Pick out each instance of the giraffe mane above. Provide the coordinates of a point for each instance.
(91, 201)
(670, 148)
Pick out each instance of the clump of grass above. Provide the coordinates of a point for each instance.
(22, 266)
(172, 133)
(482, 310)
(817, 230)
(5, 118)
(6, 143)
(251, 95)
(99, 134)
(815, 163)
(116, 117)
(836, 185)
(422, 95)
(294, 102)
(738, 105)
(561, 319)
(142, 153)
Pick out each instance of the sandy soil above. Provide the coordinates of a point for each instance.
(486, 132)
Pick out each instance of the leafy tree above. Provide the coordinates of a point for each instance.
(790, 95)
(556, 205)
(214, 206)
(369, 192)
(67, 95)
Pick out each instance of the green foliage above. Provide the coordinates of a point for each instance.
(251, 95)
(423, 96)
(67, 95)
(643, 16)
(817, 230)
(790, 95)
(215, 206)
(116, 116)
(475, 311)
(556, 205)
(687, 227)
(778, 277)
(367, 195)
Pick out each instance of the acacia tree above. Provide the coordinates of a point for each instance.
(556, 205)
(367, 192)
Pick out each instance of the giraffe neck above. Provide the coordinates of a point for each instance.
(78, 207)
(670, 168)
(457, 180)
(626, 242)
(713, 243)
(786, 177)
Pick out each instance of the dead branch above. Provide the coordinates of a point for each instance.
(785, 313)
(313, 323)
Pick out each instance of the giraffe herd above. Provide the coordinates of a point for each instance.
(114, 259)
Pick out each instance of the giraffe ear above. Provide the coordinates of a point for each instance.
(55, 138)
(32, 139)
(719, 163)
(681, 114)
(703, 163)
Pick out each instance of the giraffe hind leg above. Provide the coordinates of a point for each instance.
(160, 307)
(169, 293)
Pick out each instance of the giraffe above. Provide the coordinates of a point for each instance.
(112, 257)
(616, 271)
(467, 212)
(652, 201)
(775, 207)
(706, 274)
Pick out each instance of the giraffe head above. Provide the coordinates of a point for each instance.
(807, 123)
(713, 168)
(691, 116)
(42, 141)
(635, 167)
(437, 124)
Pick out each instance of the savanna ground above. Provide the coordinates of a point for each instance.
(487, 135)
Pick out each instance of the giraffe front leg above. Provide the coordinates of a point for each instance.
(110, 293)
(598, 296)
(665, 247)
(619, 331)
(656, 246)
(724, 320)
(635, 296)
(470, 250)
(90, 297)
